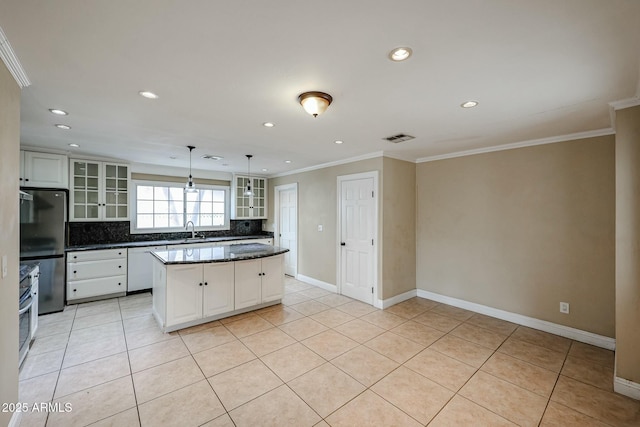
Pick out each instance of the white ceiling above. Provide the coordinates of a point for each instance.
(539, 68)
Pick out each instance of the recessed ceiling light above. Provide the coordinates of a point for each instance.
(469, 104)
(287, 161)
(268, 124)
(212, 157)
(338, 141)
(65, 127)
(58, 112)
(147, 94)
(400, 54)
(264, 169)
(74, 145)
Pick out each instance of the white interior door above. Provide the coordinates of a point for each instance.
(287, 206)
(357, 238)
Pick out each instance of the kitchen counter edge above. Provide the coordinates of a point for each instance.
(143, 244)
(255, 253)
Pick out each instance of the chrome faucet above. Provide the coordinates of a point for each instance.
(193, 229)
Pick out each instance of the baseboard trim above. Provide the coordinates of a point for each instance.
(319, 283)
(543, 325)
(626, 387)
(396, 299)
(15, 419)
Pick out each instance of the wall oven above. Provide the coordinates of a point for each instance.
(25, 318)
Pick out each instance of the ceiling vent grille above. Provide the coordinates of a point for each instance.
(401, 137)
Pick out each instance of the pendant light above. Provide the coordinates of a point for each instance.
(247, 191)
(190, 187)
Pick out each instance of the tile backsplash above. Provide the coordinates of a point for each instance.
(89, 233)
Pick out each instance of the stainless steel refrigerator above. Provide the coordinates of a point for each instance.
(43, 222)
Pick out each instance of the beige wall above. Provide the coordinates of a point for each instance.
(521, 230)
(9, 229)
(317, 204)
(398, 227)
(628, 244)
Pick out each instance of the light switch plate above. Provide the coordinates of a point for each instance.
(320, 227)
(4, 266)
(564, 307)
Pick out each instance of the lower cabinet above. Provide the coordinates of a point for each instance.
(96, 274)
(188, 294)
(195, 291)
(259, 281)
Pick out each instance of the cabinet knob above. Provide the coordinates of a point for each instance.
(119, 253)
(75, 257)
(119, 266)
(74, 271)
(119, 284)
(20, 179)
(27, 179)
(200, 284)
(74, 290)
(206, 284)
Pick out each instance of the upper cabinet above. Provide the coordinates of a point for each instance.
(249, 206)
(43, 170)
(99, 191)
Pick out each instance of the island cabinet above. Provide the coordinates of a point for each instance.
(195, 291)
(258, 281)
(188, 292)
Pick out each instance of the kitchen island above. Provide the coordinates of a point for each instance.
(194, 286)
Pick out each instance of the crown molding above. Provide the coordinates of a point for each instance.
(11, 61)
(326, 165)
(522, 144)
(625, 103)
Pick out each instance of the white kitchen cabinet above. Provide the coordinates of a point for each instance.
(252, 206)
(43, 170)
(99, 191)
(140, 267)
(259, 281)
(195, 291)
(96, 274)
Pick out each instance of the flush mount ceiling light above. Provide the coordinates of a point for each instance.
(469, 104)
(315, 103)
(338, 141)
(148, 95)
(268, 124)
(247, 191)
(212, 157)
(190, 187)
(58, 112)
(74, 145)
(287, 161)
(65, 127)
(264, 169)
(400, 54)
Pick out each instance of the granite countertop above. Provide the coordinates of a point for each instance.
(26, 268)
(162, 242)
(218, 253)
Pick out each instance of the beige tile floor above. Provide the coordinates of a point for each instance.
(317, 359)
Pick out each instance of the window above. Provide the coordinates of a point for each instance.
(165, 207)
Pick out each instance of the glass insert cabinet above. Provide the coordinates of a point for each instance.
(252, 206)
(99, 191)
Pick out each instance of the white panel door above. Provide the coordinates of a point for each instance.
(287, 226)
(357, 234)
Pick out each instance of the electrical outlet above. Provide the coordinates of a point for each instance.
(4, 266)
(564, 307)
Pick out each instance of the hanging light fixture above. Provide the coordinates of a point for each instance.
(315, 103)
(247, 191)
(190, 187)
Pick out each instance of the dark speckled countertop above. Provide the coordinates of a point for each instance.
(161, 243)
(217, 253)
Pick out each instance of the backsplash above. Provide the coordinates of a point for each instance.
(88, 233)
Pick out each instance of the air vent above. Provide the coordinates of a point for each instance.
(212, 157)
(401, 137)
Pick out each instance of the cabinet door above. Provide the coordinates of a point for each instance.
(140, 267)
(21, 180)
(116, 191)
(85, 200)
(248, 284)
(259, 201)
(219, 288)
(272, 278)
(45, 170)
(242, 203)
(184, 293)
